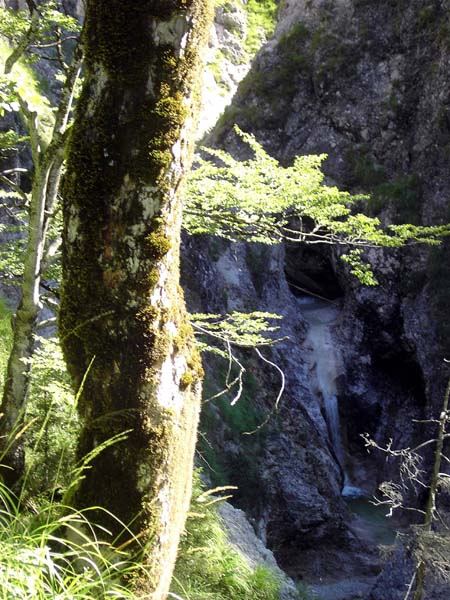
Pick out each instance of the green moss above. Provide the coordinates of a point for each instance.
(195, 364)
(157, 245)
(400, 193)
(5, 341)
(112, 146)
(242, 467)
(363, 171)
(295, 37)
(116, 157)
(403, 194)
(187, 379)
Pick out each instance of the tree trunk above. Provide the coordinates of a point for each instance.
(432, 491)
(24, 326)
(47, 161)
(121, 306)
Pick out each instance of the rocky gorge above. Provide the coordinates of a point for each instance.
(366, 83)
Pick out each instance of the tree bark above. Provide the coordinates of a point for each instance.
(122, 310)
(47, 161)
(430, 509)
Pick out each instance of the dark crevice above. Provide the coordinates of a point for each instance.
(309, 270)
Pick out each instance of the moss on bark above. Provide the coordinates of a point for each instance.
(121, 303)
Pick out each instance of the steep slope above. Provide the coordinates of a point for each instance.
(367, 83)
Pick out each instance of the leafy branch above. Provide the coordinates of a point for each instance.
(259, 200)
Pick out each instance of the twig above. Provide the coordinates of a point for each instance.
(277, 401)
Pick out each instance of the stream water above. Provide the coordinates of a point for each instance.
(369, 522)
(327, 364)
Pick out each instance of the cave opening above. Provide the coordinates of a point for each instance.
(309, 270)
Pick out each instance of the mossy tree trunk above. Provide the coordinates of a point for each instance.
(122, 310)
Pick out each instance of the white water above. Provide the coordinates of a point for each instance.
(325, 361)
(327, 364)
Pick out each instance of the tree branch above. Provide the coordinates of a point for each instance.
(14, 187)
(24, 41)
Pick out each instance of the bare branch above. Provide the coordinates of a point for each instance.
(46, 323)
(14, 187)
(15, 170)
(280, 393)
(53, 44)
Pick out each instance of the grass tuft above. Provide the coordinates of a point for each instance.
(209, 568)
(52, 551)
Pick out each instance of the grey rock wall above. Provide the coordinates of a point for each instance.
(367, 83)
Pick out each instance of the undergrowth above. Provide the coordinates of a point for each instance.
(50, 550)
(53, 422)
(208, 567)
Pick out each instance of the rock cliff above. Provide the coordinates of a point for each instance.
(367, 83)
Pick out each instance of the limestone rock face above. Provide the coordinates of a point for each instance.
(367, 83)
(242, 537)
(226, 64)
(289, 479)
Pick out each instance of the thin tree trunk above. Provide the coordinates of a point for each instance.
(431, 502)
(24, 325)
(121, 306)
(47, 162)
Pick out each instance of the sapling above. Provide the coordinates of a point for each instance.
(429, 548)
(40, 29)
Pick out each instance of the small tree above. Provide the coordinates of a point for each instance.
(430, 516)
(259, 200)
(38, 30)
(429, 549)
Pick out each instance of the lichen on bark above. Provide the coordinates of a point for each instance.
(121, 303)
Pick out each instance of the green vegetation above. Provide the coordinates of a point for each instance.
(5, 340)
(208, 567)
(39, 561)
(221, 412)
(401, 194)
(256, 200)
(49, 550)
(293, 57)
(39, 564)
(28, 87)
(261, 17)
(53, 422)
